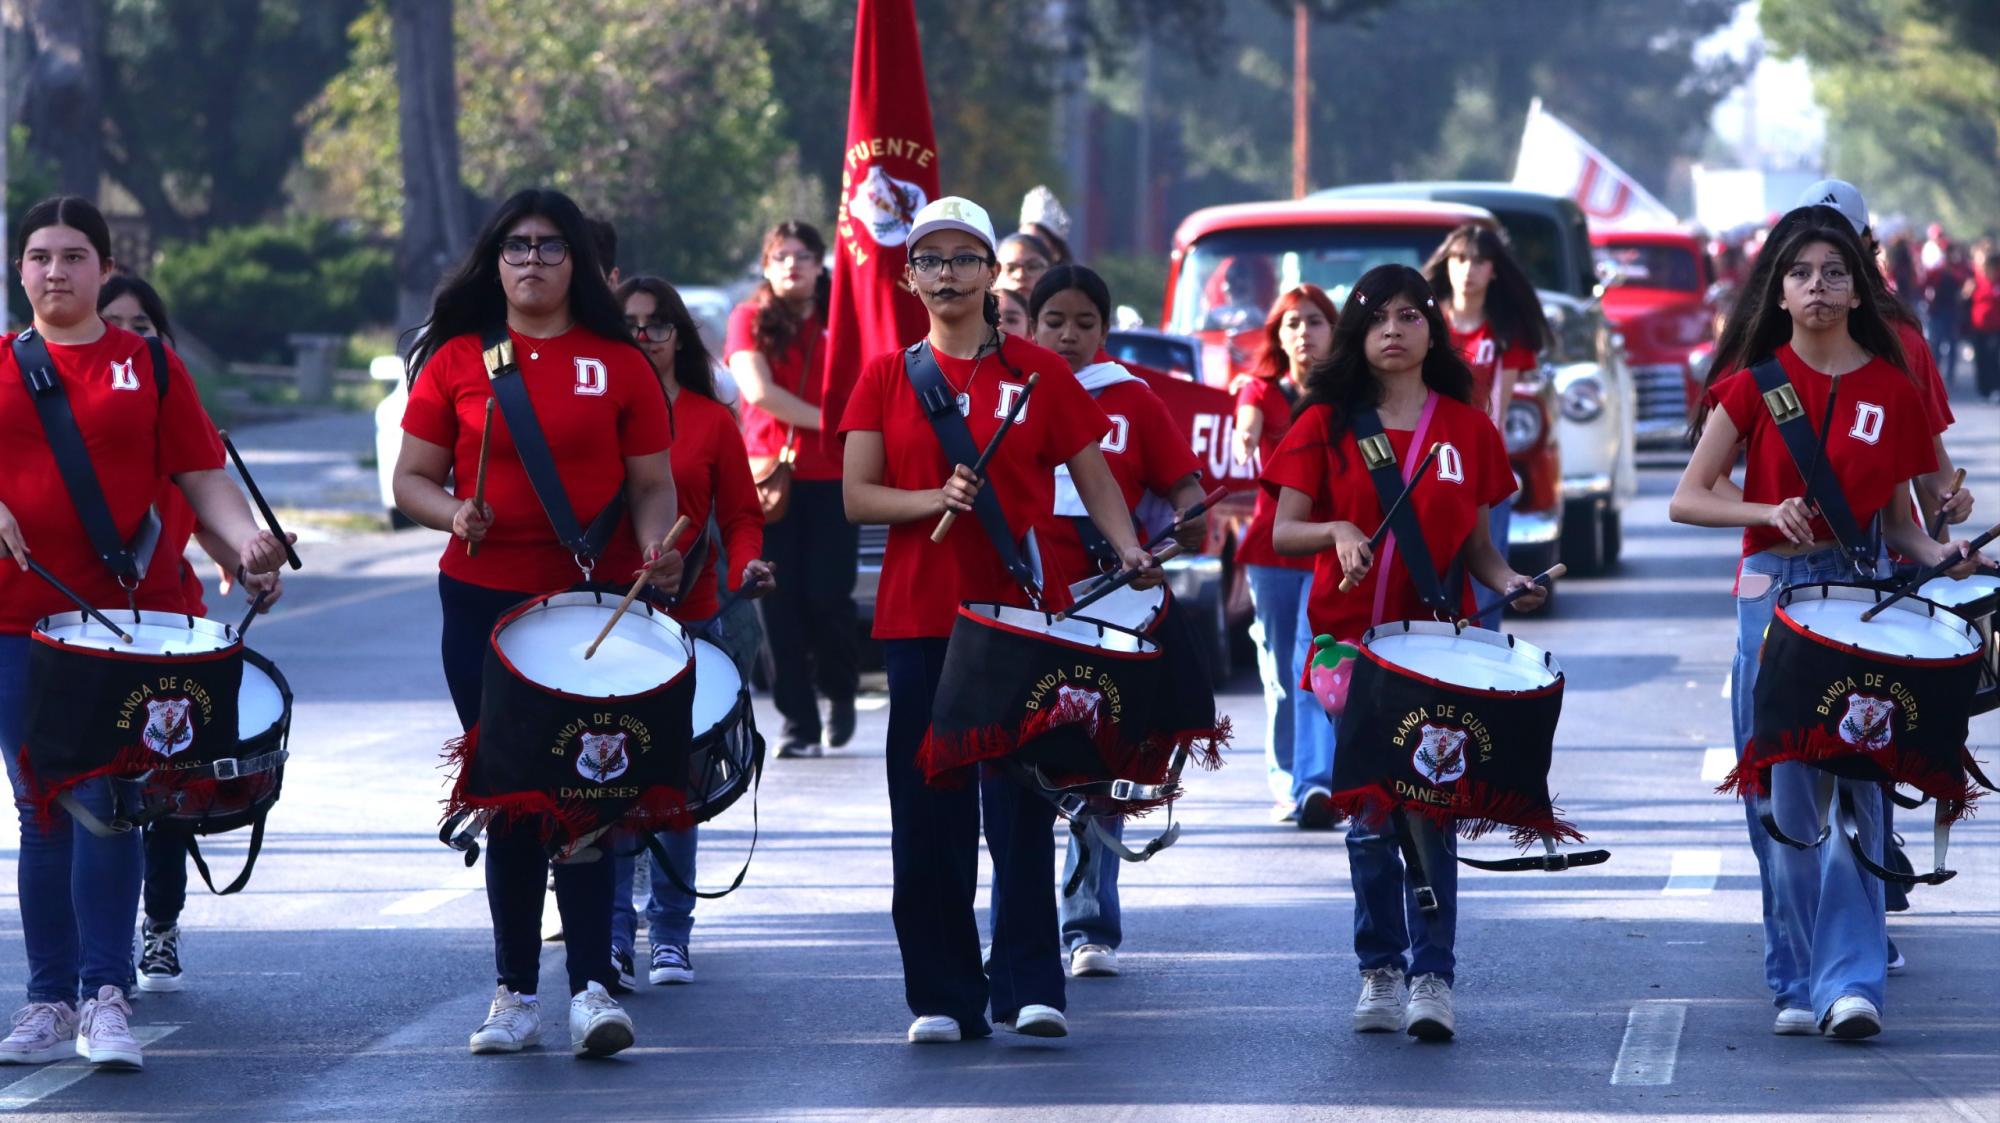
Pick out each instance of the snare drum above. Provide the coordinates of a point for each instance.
(1455, 724)
(235, 789)
(166, 703)
(1881, 699)
(1976, 598)
(580, 743)
(726, 743)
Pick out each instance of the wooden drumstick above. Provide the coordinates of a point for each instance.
(680, 527)
(1931, 572)
(1936, 526)
(992, 446)
(479, 481)
(1546, 579)
(1347, 584)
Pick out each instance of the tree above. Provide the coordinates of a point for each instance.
(61, 99)
(437, 214)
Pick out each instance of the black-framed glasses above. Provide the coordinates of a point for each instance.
(548, 251)
(652, 331)
(928, 264)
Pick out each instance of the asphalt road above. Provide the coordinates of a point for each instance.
(343, 982)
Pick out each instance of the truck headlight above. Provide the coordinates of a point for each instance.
(1583, 399)
(1522, 427)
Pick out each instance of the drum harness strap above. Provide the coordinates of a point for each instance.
(1808, 451)
(1834, 808)
(511, 390)
(1071, 801)
(940, 405)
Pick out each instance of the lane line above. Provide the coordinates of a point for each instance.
(1693, 873)
(1716, 763)
(53, 1078)
(417, 904)
(1652, 1044)
(282, 616)
(1725, 688)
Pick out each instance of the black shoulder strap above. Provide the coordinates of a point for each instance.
(940, 405)
(1808, 450)
(158, 351)
(511, 391)
(1387, 476)
(45, 389)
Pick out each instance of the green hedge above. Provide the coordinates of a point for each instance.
(244, 289)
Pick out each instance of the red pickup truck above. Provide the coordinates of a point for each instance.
(1658, 299)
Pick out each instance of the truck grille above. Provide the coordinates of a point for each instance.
(1663, 406)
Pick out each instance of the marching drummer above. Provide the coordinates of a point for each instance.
(1814, 316)
(897, 474)
(533, 275)
(1392, 356)
(142, 427)
(711, 478)
(1148, 454)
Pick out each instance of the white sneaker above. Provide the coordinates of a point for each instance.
(933, 1029)
(1429, 1010)
(598, 1026)
(1795, 1023)
(1093, 961)
(1897, 964)
(512, 1024)
(1853, 1018)
(1036, 1020)
(1380, 1008)
(104, 1031)
(43, 1032)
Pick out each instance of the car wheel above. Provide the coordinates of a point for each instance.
(1207, 619)
(1583, 545)
(1614, 537)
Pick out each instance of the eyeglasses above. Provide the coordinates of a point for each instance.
(928, 264)
(549, 251)
(653, 331)
(1023, 266)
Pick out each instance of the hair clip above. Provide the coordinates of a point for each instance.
(1430, 302)
(1362, 298)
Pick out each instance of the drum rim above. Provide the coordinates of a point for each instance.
(1513, 644)
(652, 615)
(736, 708)
(232, 645)
(1152, 646)
(1935, 612)
(283, 726)
(1987, 584)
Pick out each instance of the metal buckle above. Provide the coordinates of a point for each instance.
(227, 768)
(1427, 899)
(1122, 789)
(586, 564)
(1071, 805)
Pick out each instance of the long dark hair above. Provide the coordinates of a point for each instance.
(777, 324)
(1512, 307)
(694, 368)
(1062, 278)
(471, 299)
(1347, 383)
(124, 284)
(73, 211)
(1757, 327)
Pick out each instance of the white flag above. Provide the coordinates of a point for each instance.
(1555, 160)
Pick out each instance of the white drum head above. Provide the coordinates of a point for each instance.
(155, 633)
(1136, 609)
(1957, 594)
(1078, 630)
(1469, 658)
(545, 645)
(717, 686)
(1908, 629)
(259, 705)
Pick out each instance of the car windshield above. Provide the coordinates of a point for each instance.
(1174, 356)
(1228, 281)
(1538, 246)
(1650, 266)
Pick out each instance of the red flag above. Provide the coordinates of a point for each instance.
(888, 171)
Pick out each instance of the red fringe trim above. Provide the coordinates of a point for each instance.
(658, 807)
(1814, 745)
(132, 760)
(1476, 809)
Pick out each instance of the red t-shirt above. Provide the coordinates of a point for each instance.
(1484, 355)
(1255, 549)
(798, 370)
(170, 570)
(923, 582)
(584, 389)
(1880, 439)
(1985, 303)
(135, 441)
(1470, 472)
(1147, 451)
(1924, 368)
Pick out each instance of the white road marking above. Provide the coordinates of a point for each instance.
(419, 903)
(1725, 687)
(281, 616)
(870, 704)
(1716, 763)
(1652, 1044)
(50, 1079)
(1693, 873)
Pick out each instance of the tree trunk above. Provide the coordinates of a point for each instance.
(437, 220)
(60, 104)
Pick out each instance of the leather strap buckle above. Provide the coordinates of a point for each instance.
(226, 768)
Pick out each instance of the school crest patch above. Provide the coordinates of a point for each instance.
(603, 758)
(1440, 755)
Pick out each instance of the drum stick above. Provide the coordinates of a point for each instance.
(1930, 572)
(479, 479)
(1114, 583)
(1546, 579)
(992, 446)
(55, 583)
(680, 527)
(1936, 526)
(270, 520)
(1191, 514)
(1375, 540)
(256, 606)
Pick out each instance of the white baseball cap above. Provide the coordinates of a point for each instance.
(953, 213)
(1841, 196)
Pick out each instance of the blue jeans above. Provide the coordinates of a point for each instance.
(1499, 518)
(79, 893)
(1387, 922)
(1298, 739)
(669, 909)
(1091, 915)
(1825, 934)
